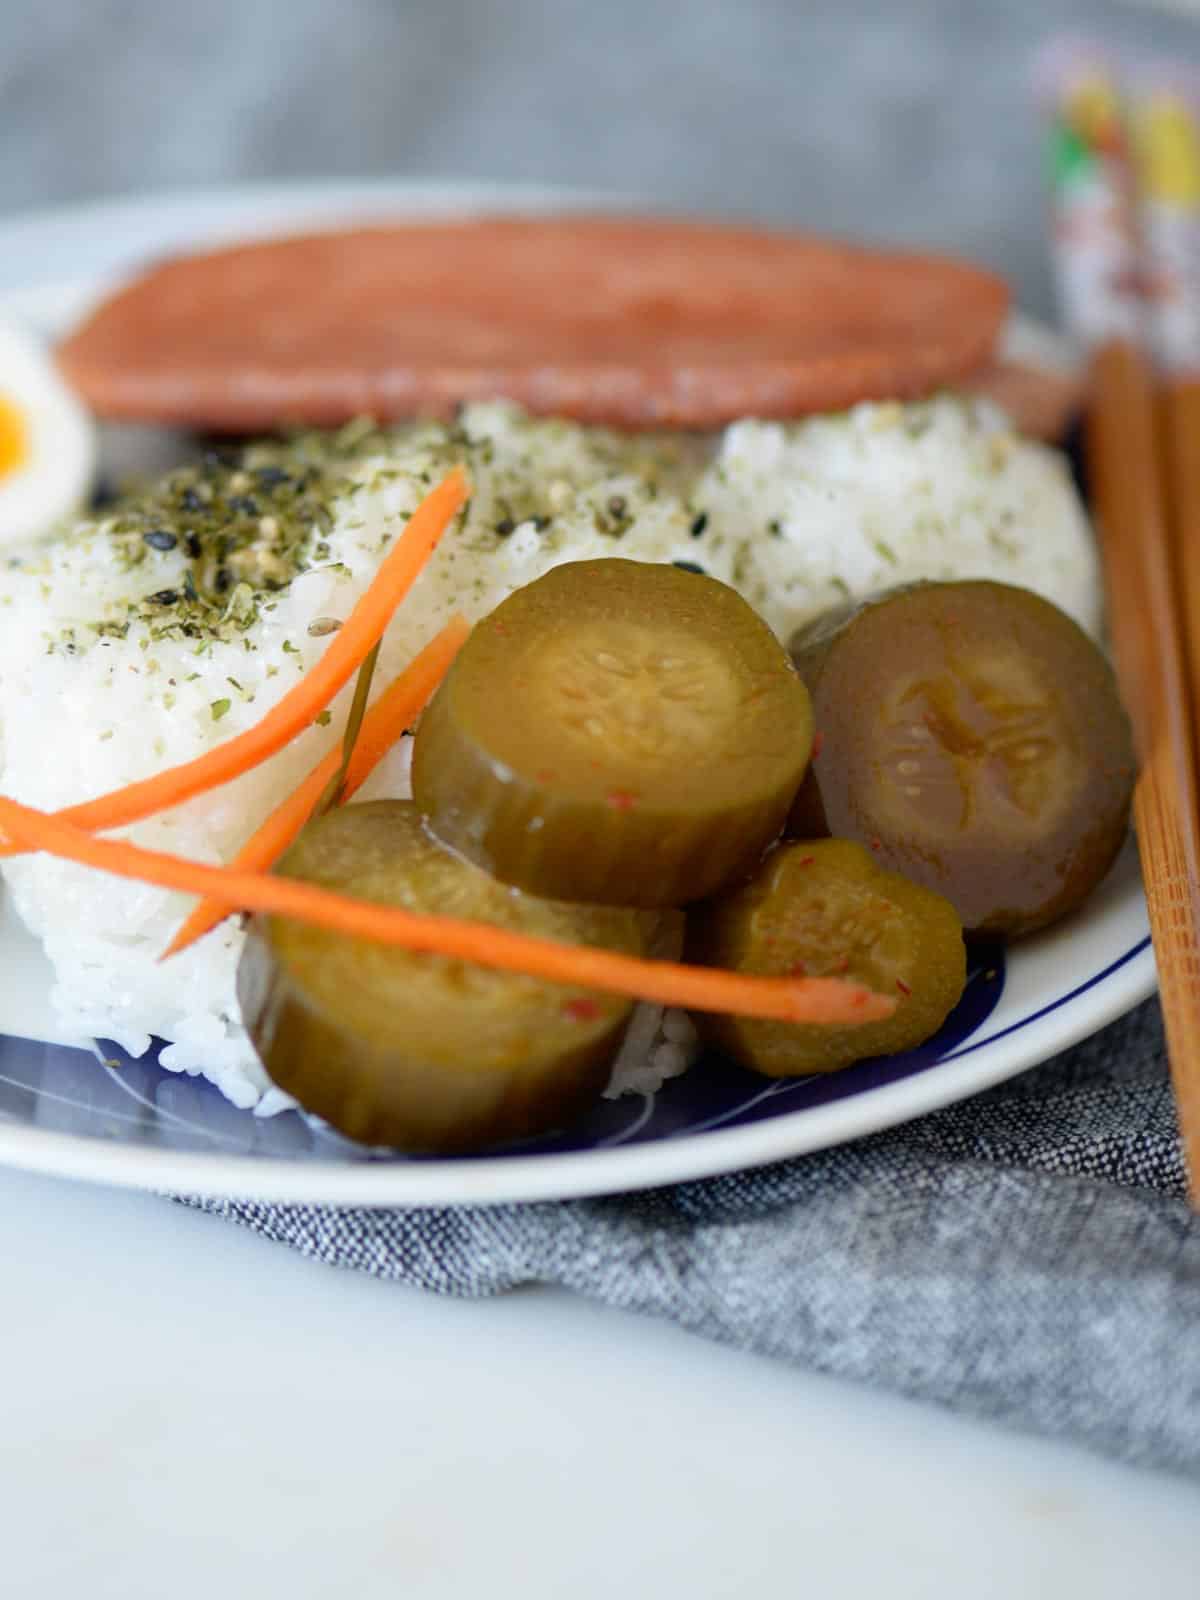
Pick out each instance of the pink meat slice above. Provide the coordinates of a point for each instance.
(630, 321)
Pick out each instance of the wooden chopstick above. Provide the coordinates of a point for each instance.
(1146, 491)
(1179, 430)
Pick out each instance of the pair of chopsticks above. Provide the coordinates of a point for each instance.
(1127, 246)
(1143, 447)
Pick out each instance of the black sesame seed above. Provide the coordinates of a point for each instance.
(189, 586)
(272, 477)
(222, 580)
(244, 505)
(505, 526)
(191, 501)
(165, 597)
(160, 539)
(690, 566)
(699, 525)
(104, 494)
(193, 546)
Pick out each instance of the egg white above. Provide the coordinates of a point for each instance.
(55, 477)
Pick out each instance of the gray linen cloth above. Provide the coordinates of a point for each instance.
(1027, 1256)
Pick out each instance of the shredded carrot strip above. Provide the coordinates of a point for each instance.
(355, 639)
(383, 724)
(791, 999)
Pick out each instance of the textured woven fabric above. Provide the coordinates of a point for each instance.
(1026, 1256)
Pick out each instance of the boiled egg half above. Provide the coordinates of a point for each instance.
(47, 441)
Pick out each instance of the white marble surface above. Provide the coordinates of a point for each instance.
(188, 1410)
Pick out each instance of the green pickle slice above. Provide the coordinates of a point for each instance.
(617, 732)
(973, 737)
(417, 1051)
(825, 908)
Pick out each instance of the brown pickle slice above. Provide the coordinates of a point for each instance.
(618, 732)
(826, 909)
(419, 1051)
(972, 736)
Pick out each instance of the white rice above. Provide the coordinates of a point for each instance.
(840, 507)
(795, 516)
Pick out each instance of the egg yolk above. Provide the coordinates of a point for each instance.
(14, 437)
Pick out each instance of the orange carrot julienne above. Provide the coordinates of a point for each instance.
(789, 999)
(355, 639)
(383, 724)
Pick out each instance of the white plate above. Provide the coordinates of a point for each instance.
(96, 1114)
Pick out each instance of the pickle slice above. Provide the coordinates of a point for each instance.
(825, 908)
(618, 732)
(419, 1051)
(972, 736)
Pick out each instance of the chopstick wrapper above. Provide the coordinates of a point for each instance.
(1093, 230)
(1166, 144)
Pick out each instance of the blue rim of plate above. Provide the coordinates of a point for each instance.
(117, 1120)
(57, 1101)
(192, 1115)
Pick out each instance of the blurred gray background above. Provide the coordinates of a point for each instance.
(905, 120)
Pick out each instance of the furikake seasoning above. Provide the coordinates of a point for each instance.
(247, 524)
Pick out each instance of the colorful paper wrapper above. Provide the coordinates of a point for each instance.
(1091, 180)
(1166, 143)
